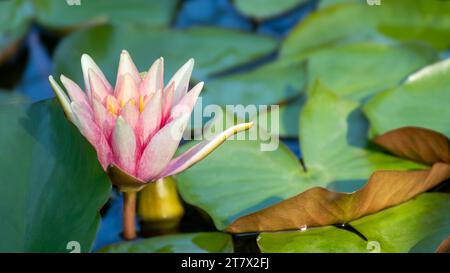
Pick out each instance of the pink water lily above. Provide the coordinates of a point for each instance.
(136, 126)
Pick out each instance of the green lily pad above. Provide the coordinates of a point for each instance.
(401, 20)
(267, 84)
(326, 3)
(363, 69)
(214, 49)
(15, 17)
(52, 185)
(398, 229)
(288, 118)
(420, 101)
(10, 97)
(239, 178)
(203, 242)
(262, 9)
(59, 14)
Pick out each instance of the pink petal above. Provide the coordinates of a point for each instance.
(161, 149)
(127, 90)
(124, 146)
(84, 120)
(150, 118)
(98, 90)
(201, 150)
(104, 153)
(86, 64)
(181, 80)
(130, 114)
(91, 131)
(187, 103)
(154, 79)
(167, 103)
(127, 66)
(104, 119)
(63, 99)
(74, 91)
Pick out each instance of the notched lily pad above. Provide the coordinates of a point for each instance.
(421, 101)
(332, 140)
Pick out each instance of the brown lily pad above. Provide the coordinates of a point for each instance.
(319, 206)
(444, 247)
(417, 144)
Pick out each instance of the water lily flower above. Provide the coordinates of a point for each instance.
(136, 126)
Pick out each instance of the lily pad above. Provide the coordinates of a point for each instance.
(390, 21)
(203, 242)
(15, 19)
(271, 83)
(262, 9)
(332, 141)
(398, 229)
(288, 118)
(60, 14)
(52, 185)
(422, 101)
(319, 206)
(103, 43)
(363, 69)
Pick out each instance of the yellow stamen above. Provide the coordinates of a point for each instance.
(141, 103)
(111, 105)
(123, 102)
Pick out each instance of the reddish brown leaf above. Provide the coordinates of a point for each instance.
(444, 247)
(319, 206)
(417, 144)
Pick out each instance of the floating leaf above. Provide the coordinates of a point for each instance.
(398, 229)
(267, 84)
(391, 20)
(420, 101)
(417, 144)
(15, 17)
(320, 207)
(288, 118)
(262, 9)
(52, 185)
(329, 129)
(203, 242)
(103, 43)
(59, 14)
(363, 69)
